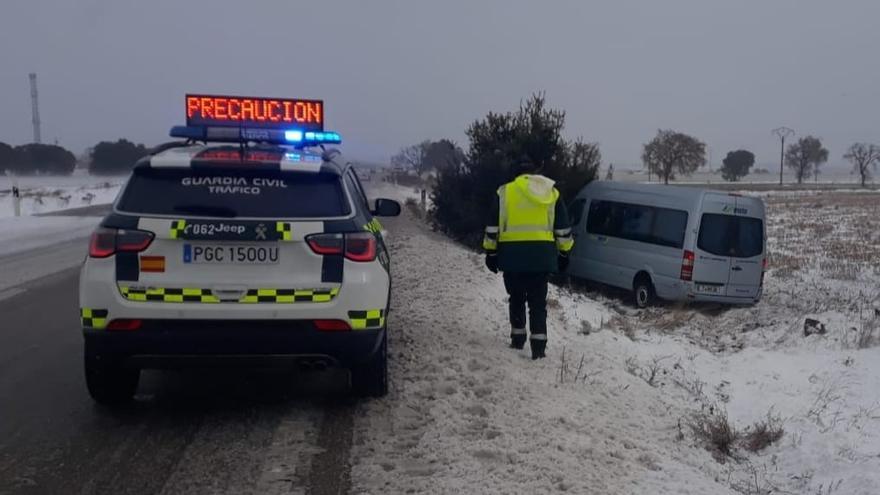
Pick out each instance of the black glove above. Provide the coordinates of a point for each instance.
(562, 261)
(492, 262)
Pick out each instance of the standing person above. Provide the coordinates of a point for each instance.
(528, 237)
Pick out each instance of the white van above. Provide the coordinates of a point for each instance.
(675, 243)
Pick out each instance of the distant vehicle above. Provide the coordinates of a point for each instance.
(675, 243)
(259, 250)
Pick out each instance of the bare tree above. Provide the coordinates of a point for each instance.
(863, 156)
(673, 152)
(413, 157)
(805, 156)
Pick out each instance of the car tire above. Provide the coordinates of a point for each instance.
(370, 379)
(643, 292)
(110, 383)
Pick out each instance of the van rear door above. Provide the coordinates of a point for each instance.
(746, 264)
(712, 262)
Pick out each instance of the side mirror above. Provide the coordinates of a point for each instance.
(386, 208)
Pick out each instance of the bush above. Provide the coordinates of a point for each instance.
(7, 157)
(35, 158)
(716, 432)
(763, 434)
(499, 145)
(115, 158)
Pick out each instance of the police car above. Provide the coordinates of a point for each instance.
(247, 243)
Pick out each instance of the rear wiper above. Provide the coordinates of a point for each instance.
(208, 211)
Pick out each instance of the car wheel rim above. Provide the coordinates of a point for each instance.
(642, 296)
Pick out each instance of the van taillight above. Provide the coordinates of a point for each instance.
(763, 269)
(107, 242)
(687, 266)
(356, 246)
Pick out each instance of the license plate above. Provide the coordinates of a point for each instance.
(711, 289)
(230, 254)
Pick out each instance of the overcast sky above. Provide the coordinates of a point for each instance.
(396, 72)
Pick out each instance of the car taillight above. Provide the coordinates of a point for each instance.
(687, 266)
(763, 269)
(356, 246)
(124, 324)
(332, 325)
(107, 242)
(360, 246)
(326, 243)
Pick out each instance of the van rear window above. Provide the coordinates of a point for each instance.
(731, 236)
(234, 192)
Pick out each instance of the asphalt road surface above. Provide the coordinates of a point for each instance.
(199, 432)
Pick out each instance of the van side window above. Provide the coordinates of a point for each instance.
(576, 211)
(599, 218)
(636, 222)
(669, 227)
(660, 226)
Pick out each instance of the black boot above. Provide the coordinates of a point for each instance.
(517, 341)
(538, 347)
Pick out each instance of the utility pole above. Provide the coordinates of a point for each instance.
(35, 107)
(782, 133)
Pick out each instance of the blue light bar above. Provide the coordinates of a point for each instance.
(294, 137)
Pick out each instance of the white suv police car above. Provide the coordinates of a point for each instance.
(226, 254)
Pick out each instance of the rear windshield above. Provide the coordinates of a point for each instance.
(732, 236)
(234, 193)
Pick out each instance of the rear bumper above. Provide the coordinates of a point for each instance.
(691, 296)
(249, 343)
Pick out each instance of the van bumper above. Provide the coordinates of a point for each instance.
(691, 296)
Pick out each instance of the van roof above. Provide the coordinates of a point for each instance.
(667, 194)
(678, 192)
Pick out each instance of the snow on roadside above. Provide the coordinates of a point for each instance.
(27, 233)
(44, 194)
(466, 414)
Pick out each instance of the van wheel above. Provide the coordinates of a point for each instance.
(370, 379)
(643, 292)
(110, 383)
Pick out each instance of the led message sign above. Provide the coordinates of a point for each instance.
(238, 111)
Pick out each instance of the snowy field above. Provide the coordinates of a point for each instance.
(617, 405)
(43, 194)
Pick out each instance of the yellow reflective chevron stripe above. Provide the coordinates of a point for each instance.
(285, 231)
(286, 296)
(93, 318)
(177, 228)
(252, 296)
(374, 226)
(168, 295)
(371, 318)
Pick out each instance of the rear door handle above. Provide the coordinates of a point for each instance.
(737, 268)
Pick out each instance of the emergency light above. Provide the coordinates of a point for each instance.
(239, 119)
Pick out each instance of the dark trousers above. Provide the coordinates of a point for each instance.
(528, 288)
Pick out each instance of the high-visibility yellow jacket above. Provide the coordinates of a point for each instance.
(529, 227)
